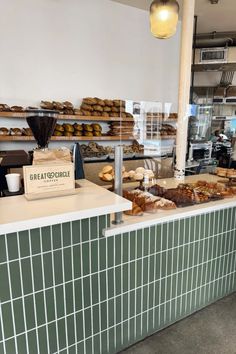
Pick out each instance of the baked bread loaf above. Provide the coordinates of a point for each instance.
(17, 109)
(4, 107)
(15, 131)
(135, 211)
(86, 107)
(4, 131)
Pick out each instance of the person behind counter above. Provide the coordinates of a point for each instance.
(218, 137)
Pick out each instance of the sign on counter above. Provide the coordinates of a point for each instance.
(44, 181)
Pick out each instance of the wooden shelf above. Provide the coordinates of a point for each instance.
(74, 117)
(162, 137)
(68, 138)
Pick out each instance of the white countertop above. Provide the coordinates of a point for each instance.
(18, 214)
(132, 223)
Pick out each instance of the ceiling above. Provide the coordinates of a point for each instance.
(220, 17)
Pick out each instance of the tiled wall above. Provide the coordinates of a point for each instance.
(67, 289)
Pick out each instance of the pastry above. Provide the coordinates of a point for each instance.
(86, 107)
(86, 113)
(68, 105)
(135, 211)
(78, 112)
(140, 170)
(78, 127)
(68, 111)
(68, 128)
(96, 127)
(115, 109)
(58, 106)
(15, 131)
(108, 103)
(89, 134)
(90, 101)
(87, 127)
(107, 109)
(17, 109)
(131, 174)
(100, 102)
(105, 114)
(107, 169)
(96, 114)
(78, 133)
(98, 108)
(4, 107)
(97, 133)
(59, 128)
(149, 207)
(46, 105)
(4, 131)
(58, 133)
(66, 133)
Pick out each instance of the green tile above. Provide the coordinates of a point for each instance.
(50, 305)
(125, 248)
(139, 243)
(52, 337)
(104, 316)
(96, 341)
(68, 264)
(7, 320)
(95, 289)
(110, 252)
(146, 242)
(151, 268)
(12, 246)
(15, 279)
(96, 316)
(29, 312)
(26, 276)
(175, 232)
(24, 243)
(170, 235)
(145, 270)
(118, 250)
(21, 344)
(62, 333)
(86, 291)
(80, 348)
(132, 296)
(66, 234)
(48, 272)
(35, 241)
(132, 245)
(103, 285)
(89, 345)
(76, 231)
(60, 301)
(94, 256)
(85, 257)
(164, 236)
(138, 273)
(10, 346)
(111, 290)
(138, 300)
(19, 316)
(103, 254)
(78, 295)
(72, 350)
(85, 230)
(46, 238)
(79, 326)
(69, 298)
(40, 308)
(132, 274)
(71, 329)
(94, 228)
(118, 308)
(4, 279)
(76, 259)
(118, 281)
(56, 236)
(37, 273)
(102, 223)
(88, 324)
(42, 340)
(58, 267)
(125, 299)
(125, 273)
(3, 255)
(32, 341)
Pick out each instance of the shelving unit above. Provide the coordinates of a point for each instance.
(68, 138)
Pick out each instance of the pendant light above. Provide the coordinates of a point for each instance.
(164, 18)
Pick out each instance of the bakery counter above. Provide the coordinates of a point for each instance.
(90, 200)
(132, 223)
(67, 288)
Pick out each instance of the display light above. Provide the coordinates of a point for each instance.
(164, 16)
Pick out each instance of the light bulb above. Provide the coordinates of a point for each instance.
(164, 18)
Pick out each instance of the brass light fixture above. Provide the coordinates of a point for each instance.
(164, 16)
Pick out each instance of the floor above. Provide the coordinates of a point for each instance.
(209, 331)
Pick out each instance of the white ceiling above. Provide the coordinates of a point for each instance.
(220, 17)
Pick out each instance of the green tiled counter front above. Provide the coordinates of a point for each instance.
(67, 289)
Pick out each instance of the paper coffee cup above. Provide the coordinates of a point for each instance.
(13, 182)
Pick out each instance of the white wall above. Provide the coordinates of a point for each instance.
(69, 49)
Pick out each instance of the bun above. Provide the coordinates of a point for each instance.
(86, 107)
(107, 169)
(107, 177)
